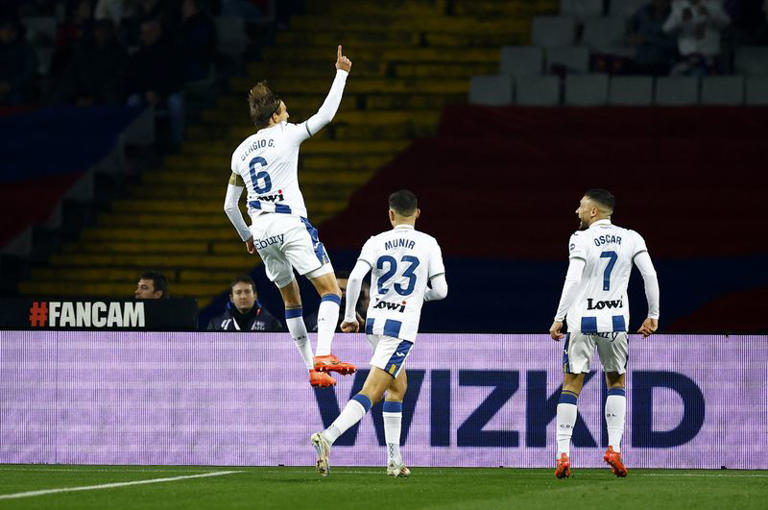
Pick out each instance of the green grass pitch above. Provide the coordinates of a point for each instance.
(360, 488)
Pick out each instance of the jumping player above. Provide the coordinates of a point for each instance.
(594, 299)
(266, 163)
(402, 260)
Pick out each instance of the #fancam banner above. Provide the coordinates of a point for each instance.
(693, 401)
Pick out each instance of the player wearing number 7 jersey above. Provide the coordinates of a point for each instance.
(595, 301)
(402, 261)
(266, 163)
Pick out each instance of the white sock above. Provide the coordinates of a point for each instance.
(327, 320)
(615, 410)
(298, 331)
(353, 412)
(566, 419)
(393, 417)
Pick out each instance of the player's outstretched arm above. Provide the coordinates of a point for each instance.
(651, 283)
(331, 104)
(354, 285)
(234, 190)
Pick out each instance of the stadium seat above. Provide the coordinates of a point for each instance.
(581, 9)
(538, 90)
(757, 90)
(586, 90)
(492, 90)
(232, 38)
(630, 91)
(677, 91)
(573, 58)
(551, 31)
(625, 8)
(722, 90)
(752, 61)
(603, 33)
(519, 60)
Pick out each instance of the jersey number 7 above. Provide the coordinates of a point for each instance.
(611, 256)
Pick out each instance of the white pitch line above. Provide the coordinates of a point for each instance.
(112, 485)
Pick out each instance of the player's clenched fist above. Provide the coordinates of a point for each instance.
(350, 327)
(342, 62)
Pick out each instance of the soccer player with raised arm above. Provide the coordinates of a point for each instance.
(266, 163)
(402, 261)
(594, 300)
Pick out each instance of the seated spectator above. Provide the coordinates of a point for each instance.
(95, 72)
(151, 285)
(243, 311)
(154, 77)
(77, 28)
(18, 65)
(342, 277)
(656, 50)
(698, 24)
(197, 40)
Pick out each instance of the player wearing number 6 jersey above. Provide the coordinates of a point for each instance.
(595, 301)
(402, 261)
(266, 163)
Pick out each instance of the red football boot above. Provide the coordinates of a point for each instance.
(614, 460)
(563, 469)
(321, 379)
(331, 363)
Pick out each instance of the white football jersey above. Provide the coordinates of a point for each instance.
(268, 163)
(602, 305)
(402, 261)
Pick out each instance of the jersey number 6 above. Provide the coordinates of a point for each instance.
(260, 176)
(408, 273)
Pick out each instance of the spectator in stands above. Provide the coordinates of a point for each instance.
(656, 50)
(243, 311)
(154, 77)
(94, 77)
(151, 285)
(18, 64)
(342, 277)
(76, 28)
(197, 40)
(697, 24)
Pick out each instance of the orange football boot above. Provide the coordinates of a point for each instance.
(563, 469)
(321, 379)
(614, 460)
(331, 363)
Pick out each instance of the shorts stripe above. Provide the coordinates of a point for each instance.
(316, 244)
(618, 323)
(395, 362)
(566, 364)
(392, 328)
(589, 325)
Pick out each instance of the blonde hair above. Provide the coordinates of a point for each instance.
(262, 103)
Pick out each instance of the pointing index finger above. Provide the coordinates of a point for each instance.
(338, 53)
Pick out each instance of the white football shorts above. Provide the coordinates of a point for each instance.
(613, 349)
(389, 353)
(286, 242)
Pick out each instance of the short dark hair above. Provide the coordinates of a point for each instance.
(262, 103)
(602, 197)
(244, 278)
(403, 202)
(159, 281)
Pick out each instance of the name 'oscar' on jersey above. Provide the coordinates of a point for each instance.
(608, 250)
(268, 163)
(402, 261)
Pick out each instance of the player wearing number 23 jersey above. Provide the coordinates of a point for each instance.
(407, 269)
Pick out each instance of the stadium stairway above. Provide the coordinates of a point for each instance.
(410, 60)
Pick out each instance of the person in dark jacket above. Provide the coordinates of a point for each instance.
(244, 312)
(18, 64)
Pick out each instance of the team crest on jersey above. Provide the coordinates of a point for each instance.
(386, 305)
